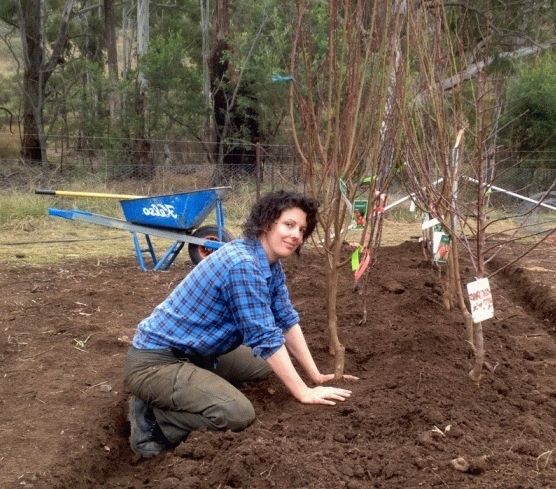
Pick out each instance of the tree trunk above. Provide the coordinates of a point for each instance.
(127, 26)
(208, 128)
(112, 58)
(335, 347)
(479, 350)
(467, 318)
(31, 35)
(144, 165)
(37, 72)
(233, 160)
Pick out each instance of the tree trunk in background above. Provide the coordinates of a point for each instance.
(143, 163)
(37, 73)
(208, 128)
(112, 58)
(127, 14)
(93, 106)
(229, 117)
(31, 35)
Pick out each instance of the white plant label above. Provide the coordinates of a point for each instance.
(412, 206)
(430, 223)
(480, 299)
(436, 237)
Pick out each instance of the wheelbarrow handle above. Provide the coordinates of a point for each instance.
(68, 193)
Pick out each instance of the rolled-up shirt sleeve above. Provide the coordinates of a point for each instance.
(249, 300)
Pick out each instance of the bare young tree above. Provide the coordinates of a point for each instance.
(450, 181)
(345, 100)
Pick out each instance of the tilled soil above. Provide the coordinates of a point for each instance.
(65, 331)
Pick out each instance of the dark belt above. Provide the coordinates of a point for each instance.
(206, 362)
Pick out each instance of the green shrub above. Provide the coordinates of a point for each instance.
(530, 114)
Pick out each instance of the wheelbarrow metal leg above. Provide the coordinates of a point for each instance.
(219, 218)
(179, 238)
(139, 251)
(166, 261)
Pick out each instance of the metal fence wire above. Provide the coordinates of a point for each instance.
(164, 166)
(168, 166)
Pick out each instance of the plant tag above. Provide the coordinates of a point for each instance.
(480, 300)
(440, 246)
(355, 259)
(359, 217)
(429, 223)
(412, 206)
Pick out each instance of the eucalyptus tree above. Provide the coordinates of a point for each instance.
(493, 34)
(173, 67)
(249, 46)
(218, 59)
(110, 41)
(40, 56)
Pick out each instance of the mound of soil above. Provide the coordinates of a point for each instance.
(415, 419)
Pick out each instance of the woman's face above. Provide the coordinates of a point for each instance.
(285, 234)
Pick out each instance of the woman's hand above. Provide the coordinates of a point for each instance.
(324, 395)
(282, 365)
(323, 378)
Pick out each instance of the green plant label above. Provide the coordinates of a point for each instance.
(441, 244)
(359, 216)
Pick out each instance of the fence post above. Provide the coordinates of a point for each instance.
(295, 176)
(258, 168)
(272, 174)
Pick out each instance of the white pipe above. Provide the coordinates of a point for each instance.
(403, 199)
(513, 194)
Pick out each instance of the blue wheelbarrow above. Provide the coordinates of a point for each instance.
(177, 217)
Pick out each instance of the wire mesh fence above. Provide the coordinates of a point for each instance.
(127, 165)
(167, 166)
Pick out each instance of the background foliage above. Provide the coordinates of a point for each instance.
(77, 112)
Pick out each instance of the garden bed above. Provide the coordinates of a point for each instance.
(66, 329)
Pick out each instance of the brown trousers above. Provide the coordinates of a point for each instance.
(186, 397)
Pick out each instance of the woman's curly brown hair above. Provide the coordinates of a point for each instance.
(270, 207)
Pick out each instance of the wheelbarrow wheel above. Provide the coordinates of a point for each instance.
(199, 253)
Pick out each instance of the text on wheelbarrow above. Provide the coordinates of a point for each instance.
(160, 210)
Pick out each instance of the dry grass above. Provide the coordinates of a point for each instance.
(9, 144)
(51, 241)
(28, 235)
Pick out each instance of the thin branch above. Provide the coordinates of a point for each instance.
(523, 254)
(11, 117)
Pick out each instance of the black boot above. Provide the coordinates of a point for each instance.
(146, 438)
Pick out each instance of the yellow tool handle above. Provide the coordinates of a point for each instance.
(69, 193)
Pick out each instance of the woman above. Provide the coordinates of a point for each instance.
(230, 320)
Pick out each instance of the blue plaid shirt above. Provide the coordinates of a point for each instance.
(233, 297)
